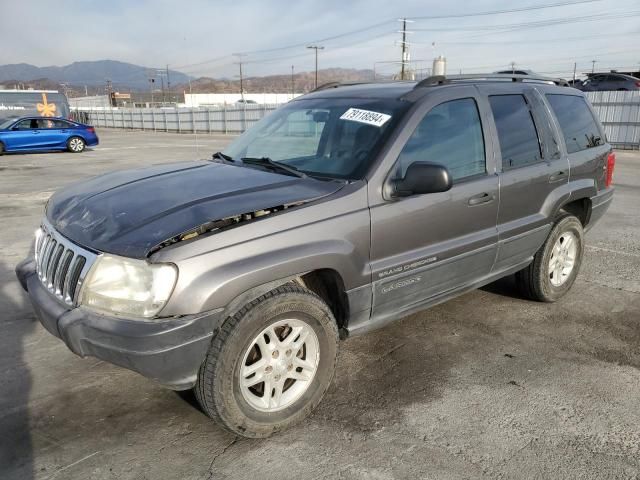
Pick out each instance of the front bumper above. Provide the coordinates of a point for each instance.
(169, 351)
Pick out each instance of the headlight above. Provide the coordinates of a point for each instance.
(126, 286)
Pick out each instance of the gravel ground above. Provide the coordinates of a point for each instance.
(485, 386)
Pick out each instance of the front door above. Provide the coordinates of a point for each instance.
(425, 246)
(22, 136)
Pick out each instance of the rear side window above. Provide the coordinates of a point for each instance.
(578, 126)
(451, 135)
(517, 132)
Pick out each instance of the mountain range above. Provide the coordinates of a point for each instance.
(91, 74)
(91, 77)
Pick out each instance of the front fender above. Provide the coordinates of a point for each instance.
(215, 270)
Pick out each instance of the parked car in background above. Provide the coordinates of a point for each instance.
(346, 209)
(45, 134)
(609, 82)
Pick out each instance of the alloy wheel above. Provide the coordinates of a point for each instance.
(279, 365)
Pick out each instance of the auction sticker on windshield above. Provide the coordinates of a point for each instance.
(365, 116)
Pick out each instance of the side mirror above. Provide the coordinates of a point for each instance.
(422, 178)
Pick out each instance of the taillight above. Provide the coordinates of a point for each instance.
(91, 129)
(611, 163)
(637, 84)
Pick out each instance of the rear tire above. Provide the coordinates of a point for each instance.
(75, 145)
(270, 364)
(556, 264)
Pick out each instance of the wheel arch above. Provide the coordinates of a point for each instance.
(327, 283)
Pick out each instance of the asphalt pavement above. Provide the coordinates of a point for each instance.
(488, 385)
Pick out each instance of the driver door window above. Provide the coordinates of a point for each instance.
(450, 135)
(28, 124)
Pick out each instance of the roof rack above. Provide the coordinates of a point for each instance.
(442, 79)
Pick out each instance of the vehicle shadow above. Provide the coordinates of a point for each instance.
(17, 322)
(505, 287)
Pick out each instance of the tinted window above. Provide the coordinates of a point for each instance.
(451, 135)
(517, 133)
(61, 124)
(578, 126)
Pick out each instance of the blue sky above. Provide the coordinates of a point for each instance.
(199, 37)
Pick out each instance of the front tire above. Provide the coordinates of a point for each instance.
(270, 364)
(556, 264)
(1, 148)
(75, 145)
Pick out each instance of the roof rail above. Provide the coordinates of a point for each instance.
(442, 79)
(326, 86)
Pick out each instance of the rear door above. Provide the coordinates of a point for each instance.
(49, 135)
(425, 246)
(533, 172)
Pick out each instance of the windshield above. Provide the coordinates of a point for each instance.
(6, 123)
(334, 137)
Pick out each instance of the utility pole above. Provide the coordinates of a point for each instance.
(152, 81)
(316, 48)
(513, 68)
(405, 48)
(593, 66)
(109, 92)
(239, 63)
(168, 82)
(575, 65)
(293, 85)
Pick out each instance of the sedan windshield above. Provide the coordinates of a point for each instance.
(331, 137)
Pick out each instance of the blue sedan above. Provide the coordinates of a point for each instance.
(45, 133)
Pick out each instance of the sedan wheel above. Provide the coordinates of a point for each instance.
(75, 144)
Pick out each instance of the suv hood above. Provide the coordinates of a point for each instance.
(130, 212)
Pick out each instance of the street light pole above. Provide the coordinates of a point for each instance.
(316, 48)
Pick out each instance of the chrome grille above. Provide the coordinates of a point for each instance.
(61, 265)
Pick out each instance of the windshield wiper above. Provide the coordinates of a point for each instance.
(222, 156)
(267, 162)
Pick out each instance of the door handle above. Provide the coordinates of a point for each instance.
(481, 198)
(558, 176)
(35, 132)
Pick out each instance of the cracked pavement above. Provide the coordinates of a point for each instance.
(485, 386)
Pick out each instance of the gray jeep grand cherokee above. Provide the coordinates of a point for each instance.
(345, 209)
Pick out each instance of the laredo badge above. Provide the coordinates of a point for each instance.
(365, 116)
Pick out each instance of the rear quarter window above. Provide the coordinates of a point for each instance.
(579, 128)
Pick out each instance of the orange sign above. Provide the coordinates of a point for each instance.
(46, 109)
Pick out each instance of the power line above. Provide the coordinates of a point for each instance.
(384, 23)
(538, 24)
